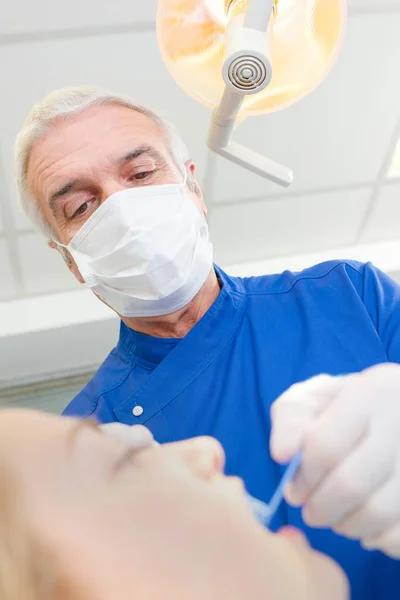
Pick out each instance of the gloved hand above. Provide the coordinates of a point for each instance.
(348, 431)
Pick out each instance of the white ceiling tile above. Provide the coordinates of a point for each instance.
(340, 133)
(44, 15)
(7, 287)
(8, 195)
(125, 63)
(286, 226)
(3, 199)
(21, 222)
(43, 269)
(381, 4)
(394, 168)
(384, 220)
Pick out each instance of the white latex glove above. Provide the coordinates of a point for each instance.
(136, 436)
(348, 430)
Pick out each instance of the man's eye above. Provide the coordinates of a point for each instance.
(142, 175)
(127, 458)
(83, 209)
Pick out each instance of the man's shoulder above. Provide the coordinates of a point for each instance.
(349, 272)
(107, 378)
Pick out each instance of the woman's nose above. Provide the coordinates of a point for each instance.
(204, 456)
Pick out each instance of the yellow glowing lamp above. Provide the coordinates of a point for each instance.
(249, 57)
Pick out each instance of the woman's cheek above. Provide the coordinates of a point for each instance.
(321, 576)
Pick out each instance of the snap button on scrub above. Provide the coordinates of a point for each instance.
(137, 411)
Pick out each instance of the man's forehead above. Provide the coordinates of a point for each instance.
(103, 132)
(101, 126)
(107, 113)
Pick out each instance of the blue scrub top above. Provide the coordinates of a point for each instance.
(261, 335)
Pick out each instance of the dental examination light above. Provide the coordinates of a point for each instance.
(249, 57)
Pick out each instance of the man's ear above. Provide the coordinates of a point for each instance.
(194, 186)
(67, 258)
(191, 167)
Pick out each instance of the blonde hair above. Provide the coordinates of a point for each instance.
(26, 570)
(62, 104)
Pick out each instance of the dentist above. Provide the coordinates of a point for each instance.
(112, 187)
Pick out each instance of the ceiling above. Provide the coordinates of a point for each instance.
(339, 141)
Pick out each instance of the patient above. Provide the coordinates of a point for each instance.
(85, 517)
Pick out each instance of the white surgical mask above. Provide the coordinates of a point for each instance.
(145, 251)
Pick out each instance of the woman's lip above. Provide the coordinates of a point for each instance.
(236, 483)
(289, 531)
(293, 534)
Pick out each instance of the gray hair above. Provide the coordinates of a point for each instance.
(62, 104)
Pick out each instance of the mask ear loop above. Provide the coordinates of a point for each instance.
(84, 270)
(64, 250)
(59, 244)
(185, 176)
(192, 185)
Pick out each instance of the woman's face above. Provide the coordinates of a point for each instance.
(161, 522)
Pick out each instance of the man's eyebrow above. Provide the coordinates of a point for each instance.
(68, 187)
(138, 152)
(71, 185)
(79, 426)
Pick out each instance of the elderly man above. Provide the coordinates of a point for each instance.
(112, 187)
